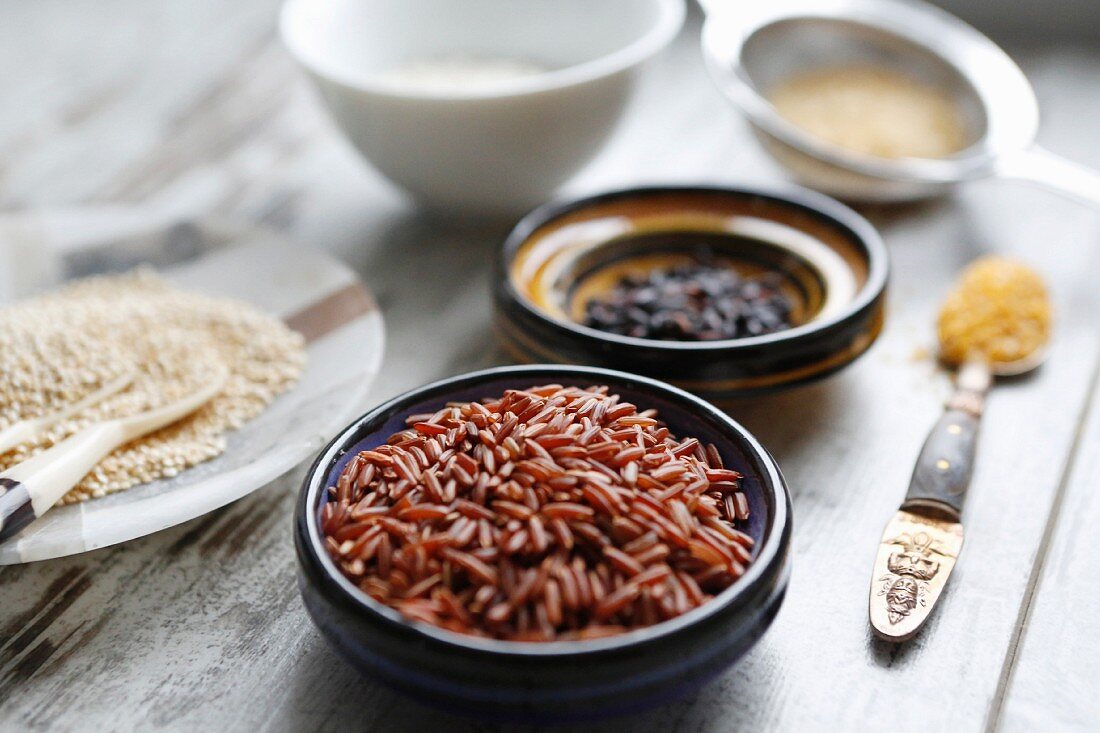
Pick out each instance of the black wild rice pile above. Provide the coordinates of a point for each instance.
(549, 513)
(696, 302)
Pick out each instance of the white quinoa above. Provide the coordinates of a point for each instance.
(58, 348)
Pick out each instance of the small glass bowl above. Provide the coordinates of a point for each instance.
(830, 262)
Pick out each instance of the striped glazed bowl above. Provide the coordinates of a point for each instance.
(832, 262)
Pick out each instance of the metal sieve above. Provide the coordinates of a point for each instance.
(749, 47)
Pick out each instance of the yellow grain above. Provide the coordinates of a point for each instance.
(999, 311)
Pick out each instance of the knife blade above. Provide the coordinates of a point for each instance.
(915, 559)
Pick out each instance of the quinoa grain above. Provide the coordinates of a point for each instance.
(60, 347)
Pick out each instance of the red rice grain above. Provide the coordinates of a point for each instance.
(553, 513)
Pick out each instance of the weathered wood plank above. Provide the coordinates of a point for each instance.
(94, 87)
(1050, 677)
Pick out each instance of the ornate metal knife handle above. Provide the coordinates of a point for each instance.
(946, 462)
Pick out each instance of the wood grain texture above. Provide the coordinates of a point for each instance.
(1055, 665)
(192, 106)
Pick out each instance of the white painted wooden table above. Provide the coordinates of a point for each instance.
(191, 105)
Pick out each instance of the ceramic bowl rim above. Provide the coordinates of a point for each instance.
(666, 26)
(757, 574)
(804, 200)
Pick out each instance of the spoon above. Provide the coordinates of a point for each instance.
(922, 542)
(750, 47)
(29, 489)
(25, 430)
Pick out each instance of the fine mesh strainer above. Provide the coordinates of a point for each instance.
(749, 47)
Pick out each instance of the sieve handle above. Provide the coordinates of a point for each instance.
(1055, 173)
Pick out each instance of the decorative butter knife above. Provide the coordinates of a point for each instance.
(921, 544)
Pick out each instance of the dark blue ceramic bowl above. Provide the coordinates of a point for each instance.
(554, 681)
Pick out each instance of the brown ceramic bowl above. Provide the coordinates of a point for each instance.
(831, 263)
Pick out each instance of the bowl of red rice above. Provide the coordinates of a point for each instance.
(543, 543)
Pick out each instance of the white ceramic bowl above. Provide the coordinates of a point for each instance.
(503, 147)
